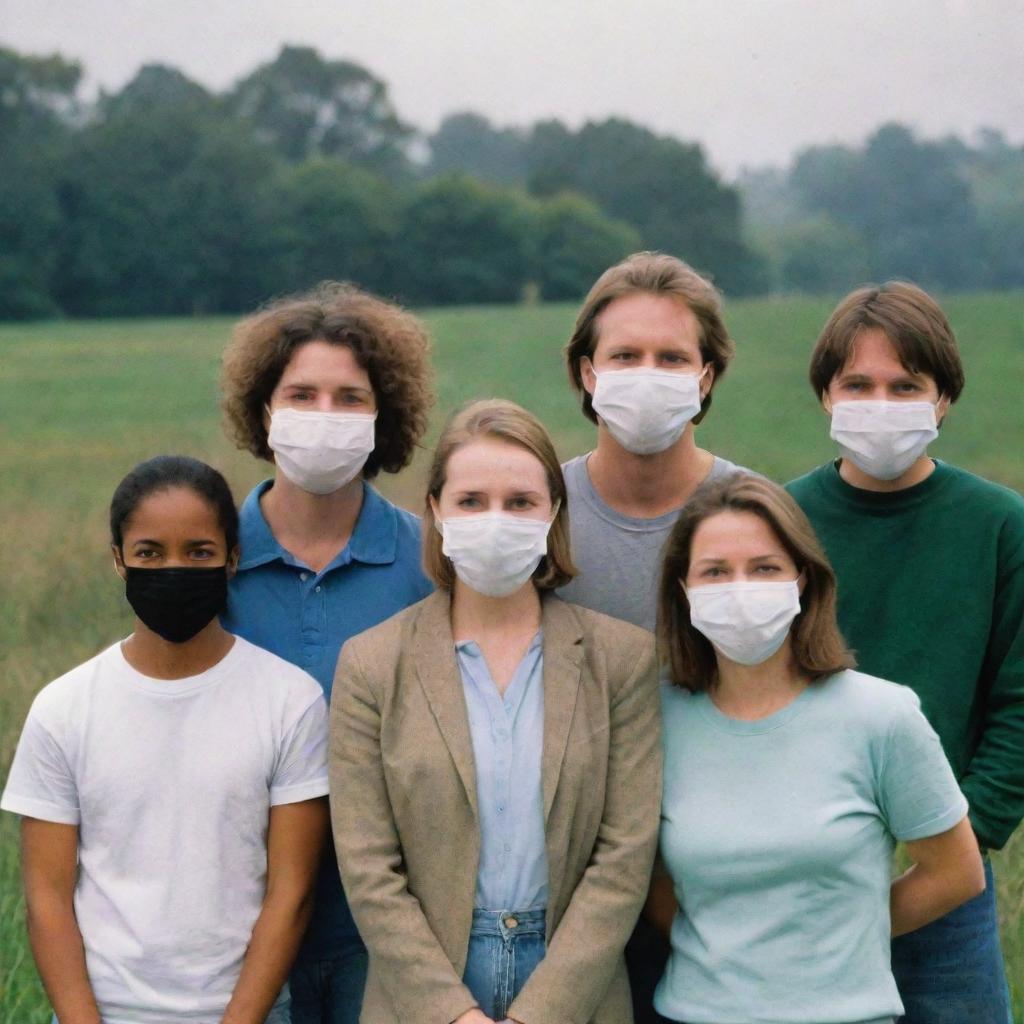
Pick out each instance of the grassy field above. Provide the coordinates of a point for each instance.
(81, 403)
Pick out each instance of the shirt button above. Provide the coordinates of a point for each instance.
(500, 809)
(303, 576)
(318, 589)
(508, 847)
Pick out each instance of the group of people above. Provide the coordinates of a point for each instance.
(628, 738)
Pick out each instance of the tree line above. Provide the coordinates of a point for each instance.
(164, 198)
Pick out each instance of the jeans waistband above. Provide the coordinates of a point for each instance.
(508, 923)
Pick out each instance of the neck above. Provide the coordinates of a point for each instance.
(149, 653)
(475, 615)
(303, 522)
(647, 486)
(750, 692)
(855, 477)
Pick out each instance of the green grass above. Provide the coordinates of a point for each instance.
(81, 403)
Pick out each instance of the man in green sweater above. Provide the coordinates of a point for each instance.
(930, 562)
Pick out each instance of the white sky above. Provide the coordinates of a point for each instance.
(753, 80)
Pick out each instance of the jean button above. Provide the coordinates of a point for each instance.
(511, 922)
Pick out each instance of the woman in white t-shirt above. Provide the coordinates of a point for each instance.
(172, 787)
(789, 777)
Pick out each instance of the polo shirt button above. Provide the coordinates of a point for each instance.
(318, 589)
(304, 576)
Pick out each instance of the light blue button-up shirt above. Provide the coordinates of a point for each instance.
(508, 738)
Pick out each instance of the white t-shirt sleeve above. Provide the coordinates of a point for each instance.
(41, 783)
(918, 791)
(301, 771)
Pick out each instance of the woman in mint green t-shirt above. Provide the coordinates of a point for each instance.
(789, 778)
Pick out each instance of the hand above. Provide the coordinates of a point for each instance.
(474, 1016)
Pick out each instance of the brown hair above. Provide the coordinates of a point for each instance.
(818, 646)
(506, 421)
(911, 320)
(658, 274)
(388, 342)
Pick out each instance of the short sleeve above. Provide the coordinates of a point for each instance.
(41, 783)
(302, 762)
(919, 794)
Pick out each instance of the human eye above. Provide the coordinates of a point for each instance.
(712, 572)
(201, 554)
(622, 357)
(675, 359)
(301, 397)
(906, 387)
(468, 502)
(521, 502)
(767, 569)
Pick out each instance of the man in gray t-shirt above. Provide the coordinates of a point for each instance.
(648, 347)
(618, 556)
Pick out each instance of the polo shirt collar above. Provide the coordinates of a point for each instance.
(374, 540)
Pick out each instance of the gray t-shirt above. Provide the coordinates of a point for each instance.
(618, 557)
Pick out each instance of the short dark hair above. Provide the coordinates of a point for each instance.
(818, 646)
(164, 473)
(386, 340)
(656, 273)
(911, 320)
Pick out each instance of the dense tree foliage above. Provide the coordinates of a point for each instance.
(944, 214)
(166, 198)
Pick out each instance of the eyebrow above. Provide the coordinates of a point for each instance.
(197, 542)
(722, 561)
(298, 386)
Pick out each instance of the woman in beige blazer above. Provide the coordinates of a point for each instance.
(495, 765)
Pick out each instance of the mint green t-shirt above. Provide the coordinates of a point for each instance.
(778, 835)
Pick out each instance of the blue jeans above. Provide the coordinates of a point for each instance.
(504, 948)
(951, 971)
(329, 991)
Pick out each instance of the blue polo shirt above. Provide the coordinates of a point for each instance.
(283, 606)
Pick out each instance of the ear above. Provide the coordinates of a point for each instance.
(708, 381)
(588, 374)
(941, 408)
(119, 562)
(266, 417)
(435, 508)
(801, 582)
(232, 563)
(826, 403)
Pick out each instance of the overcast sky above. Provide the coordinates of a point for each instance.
(753, 80)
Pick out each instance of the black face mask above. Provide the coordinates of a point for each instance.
(177, 603)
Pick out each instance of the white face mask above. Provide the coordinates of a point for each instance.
(747, 622)
(883, 439)
(646, 411)
(494, 553)
(320, 451)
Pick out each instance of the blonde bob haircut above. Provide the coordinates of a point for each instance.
(818, 647)
(508, 422)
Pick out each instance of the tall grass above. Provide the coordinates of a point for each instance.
(81, 403)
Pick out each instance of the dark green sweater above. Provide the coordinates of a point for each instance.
(931, 594)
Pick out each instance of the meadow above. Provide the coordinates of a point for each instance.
(82, 402)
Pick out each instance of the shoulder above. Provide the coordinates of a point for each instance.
(258, 668)
(621, 644)
(54, 700)
(867, 700)
(574, 470)
(993, 498)
(804, 486)
(387, 640)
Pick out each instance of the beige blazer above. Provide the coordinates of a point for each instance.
(404, 812)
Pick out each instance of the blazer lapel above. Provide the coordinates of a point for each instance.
(439, 675)
(563, 658)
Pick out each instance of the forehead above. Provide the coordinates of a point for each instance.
(320, 364)
(734, 535)
(872, 353)
(642, 317)
(173, 512)
(489, 462)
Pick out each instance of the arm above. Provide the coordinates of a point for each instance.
(661, 906)
(294, 844)
(946, 871)
(420, 979)
(584, 952)
(49, 863)
(994, 779)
